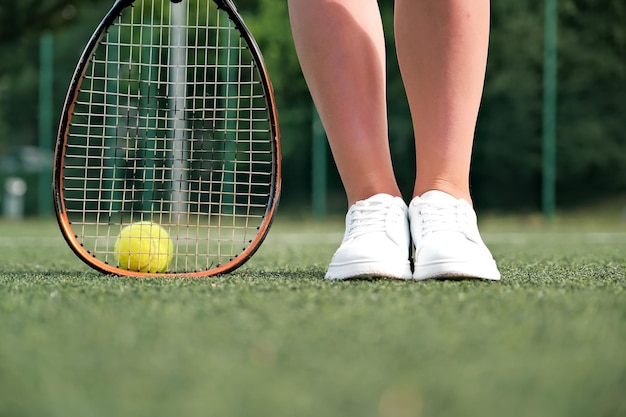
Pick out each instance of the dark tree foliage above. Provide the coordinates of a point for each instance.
(24, 17)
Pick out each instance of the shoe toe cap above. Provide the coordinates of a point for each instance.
(453, 246)
(375, 246)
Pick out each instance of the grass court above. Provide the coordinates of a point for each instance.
(275, 339)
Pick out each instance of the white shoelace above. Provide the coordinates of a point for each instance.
(443, 219)
(370, 218)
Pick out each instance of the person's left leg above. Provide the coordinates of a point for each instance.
(442, 52)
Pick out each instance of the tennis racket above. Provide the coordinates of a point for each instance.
(169, 121)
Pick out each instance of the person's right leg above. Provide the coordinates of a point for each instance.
(341, 47)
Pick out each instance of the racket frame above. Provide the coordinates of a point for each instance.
(58, 196)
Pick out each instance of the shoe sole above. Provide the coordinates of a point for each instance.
(364, 270)
(455, 271)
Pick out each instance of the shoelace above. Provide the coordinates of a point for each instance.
(438, 219)
(370, 218)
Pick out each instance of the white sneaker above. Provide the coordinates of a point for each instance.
(447, 241)
(376, 242)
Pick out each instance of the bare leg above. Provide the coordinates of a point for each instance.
(340, 44)
(442, 52)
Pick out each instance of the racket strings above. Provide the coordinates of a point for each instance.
(170, 125)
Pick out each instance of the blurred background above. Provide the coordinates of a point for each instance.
(550, 136)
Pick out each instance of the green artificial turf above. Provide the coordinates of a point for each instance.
(275, 339)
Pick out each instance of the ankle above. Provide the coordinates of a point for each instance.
(456, 191)
(368, 189)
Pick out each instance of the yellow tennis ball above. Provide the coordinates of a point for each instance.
(144, 247)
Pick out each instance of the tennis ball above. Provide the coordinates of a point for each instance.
(144, 247)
